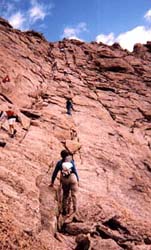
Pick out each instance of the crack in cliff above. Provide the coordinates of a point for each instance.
(6, 98)
(30, 114)
(112, 229)
(145, 115)
(147, 165)
(107, 89)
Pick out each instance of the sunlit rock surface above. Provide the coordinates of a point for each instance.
(109, 133)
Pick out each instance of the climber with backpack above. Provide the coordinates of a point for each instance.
(69, 180)
(12, 117)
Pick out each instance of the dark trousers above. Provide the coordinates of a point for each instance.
(69, 111)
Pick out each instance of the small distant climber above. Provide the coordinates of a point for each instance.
(12, 117)
(69, 105)
(54, 65)
(6, 79)
(69, 181)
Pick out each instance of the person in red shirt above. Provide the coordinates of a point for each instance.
(12, 117)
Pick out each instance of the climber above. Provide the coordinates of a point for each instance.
(69, 180)
(6, 79)
(69, 105)
(12, 117)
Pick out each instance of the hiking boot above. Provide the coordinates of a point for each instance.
(15, 131)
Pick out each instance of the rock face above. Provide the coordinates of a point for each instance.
(109, 133)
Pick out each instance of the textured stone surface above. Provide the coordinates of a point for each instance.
(109, 132)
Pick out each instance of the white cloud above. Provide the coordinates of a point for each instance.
(127, 40)
(17, 20)
(24, 19)
(140, 34)
(68, 32)
(74, 32)
(107, 39)
(36, 13)
(147, 16)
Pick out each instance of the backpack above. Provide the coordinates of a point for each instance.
(66, 169)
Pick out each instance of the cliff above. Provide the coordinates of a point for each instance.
(109, 133)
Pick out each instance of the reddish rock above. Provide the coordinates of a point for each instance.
(108, 132)
(98, 244)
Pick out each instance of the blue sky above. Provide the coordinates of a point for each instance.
(126, 22)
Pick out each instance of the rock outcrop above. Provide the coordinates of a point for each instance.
(109, 133)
